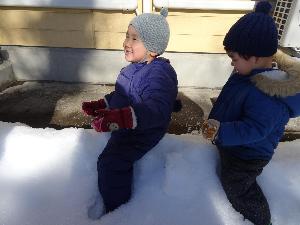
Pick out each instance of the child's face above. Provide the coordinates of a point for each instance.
(241, 65)
(134, 48)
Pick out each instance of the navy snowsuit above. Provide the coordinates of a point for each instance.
(151, 90)
(253, 111)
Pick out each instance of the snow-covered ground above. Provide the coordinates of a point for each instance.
(48, 177)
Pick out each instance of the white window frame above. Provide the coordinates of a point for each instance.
(206, 4)
(125, 5)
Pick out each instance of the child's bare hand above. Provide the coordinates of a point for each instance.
(210, 129)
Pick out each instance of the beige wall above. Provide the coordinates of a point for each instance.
(200, 31)
(191, 31)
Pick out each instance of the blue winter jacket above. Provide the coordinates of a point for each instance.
(151, 90)
(253, 111)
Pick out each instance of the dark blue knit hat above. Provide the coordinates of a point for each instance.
(254, 34)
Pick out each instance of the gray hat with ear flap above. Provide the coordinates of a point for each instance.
(153, 30)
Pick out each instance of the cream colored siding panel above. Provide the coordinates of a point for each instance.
(53, 28)
(108, 40)
(29, 37)
(199, 32)
(110, 29)
(206, 23)
(112, 21)
(192, 43)
(45, 20)
(191, 30)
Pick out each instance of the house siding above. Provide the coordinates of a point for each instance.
(191, 30)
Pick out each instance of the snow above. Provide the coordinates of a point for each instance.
(48, 177)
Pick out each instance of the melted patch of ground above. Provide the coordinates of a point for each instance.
(58, 105)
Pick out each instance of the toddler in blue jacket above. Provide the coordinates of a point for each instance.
(248, 119)
(137, 112)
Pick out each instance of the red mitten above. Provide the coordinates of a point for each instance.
(115, 119)
(90, 108)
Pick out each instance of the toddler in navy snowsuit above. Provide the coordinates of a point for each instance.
(249, 117)
(138, 112)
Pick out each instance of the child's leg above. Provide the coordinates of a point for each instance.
(238, 179)
(115, 173)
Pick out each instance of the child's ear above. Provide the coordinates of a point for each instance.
(255, 59)
(153, 54)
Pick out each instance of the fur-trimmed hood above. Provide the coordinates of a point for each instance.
(277, 83)
(283, 83)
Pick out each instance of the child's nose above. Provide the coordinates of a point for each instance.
(127, 43)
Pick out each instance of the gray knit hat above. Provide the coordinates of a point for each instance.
(153, 30)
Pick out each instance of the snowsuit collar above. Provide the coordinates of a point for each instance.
(277, 82)
(282, 85)
(156, 60)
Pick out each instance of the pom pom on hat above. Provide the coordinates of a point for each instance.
(263, 7)
(254, 34)
(164, 12)
(153, 30)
